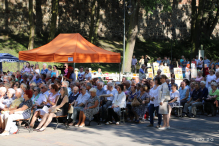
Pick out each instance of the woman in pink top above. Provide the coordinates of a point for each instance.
(199, 78)
(27, 68)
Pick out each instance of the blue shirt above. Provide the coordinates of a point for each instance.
(197, 94)
(44, 71)
(159, 61)
(182, 93)
(69, 91)
(73, 97)
(205, 92)
(73, 77)
(100, 92)
(141, 70)
(38, 81)
(207, 62)
(217, 63)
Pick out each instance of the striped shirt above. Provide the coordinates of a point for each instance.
(26, 114)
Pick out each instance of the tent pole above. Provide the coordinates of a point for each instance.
(74, 66)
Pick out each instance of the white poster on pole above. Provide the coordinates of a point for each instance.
(201, 53)
(193, 73)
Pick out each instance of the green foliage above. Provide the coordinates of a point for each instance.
(151, 5)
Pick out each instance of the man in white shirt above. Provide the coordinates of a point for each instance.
(79, 104)
(108, 99)
(42, 97)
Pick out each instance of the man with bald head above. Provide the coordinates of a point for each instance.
(74, 95)
(100, 89)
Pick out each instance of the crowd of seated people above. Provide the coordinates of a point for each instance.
(41, 95)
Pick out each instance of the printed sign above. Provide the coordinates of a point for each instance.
(150, 73)
(156, 67)
(70, 59)
(178, 73)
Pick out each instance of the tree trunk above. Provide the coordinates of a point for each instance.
(39, 18)
(132, 34)
(193, 21)
(6, 16)
(97, 23)
(91, 33)
(198, 26)
(31, 22)
(55, 11)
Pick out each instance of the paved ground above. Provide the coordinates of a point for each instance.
(202, 131)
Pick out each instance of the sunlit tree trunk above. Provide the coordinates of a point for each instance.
(131, 36)
(31, 22)
(97, 22)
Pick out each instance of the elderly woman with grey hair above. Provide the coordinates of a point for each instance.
(210, 107)
(91, 108)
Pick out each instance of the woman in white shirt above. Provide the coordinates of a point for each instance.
(209, 78)
(154, 104)
(87, 75)
(37, 69)
(174, 99)
(141, 61)
(118, 103)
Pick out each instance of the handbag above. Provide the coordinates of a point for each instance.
(163, 109)
(54, 109)
(135, 102)
(70, 109)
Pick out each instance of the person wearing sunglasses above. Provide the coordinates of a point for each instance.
(36, 94)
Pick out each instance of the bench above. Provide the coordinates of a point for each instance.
(179, 110)
(122, 117)
(26, 121)
(98, 119)
(57, 120)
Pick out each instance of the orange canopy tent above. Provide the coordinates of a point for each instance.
(70, 48)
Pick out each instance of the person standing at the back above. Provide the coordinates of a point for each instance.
(147, 58)
(207, 61)
(134, 62)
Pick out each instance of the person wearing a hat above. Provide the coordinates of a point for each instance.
(209, 78)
